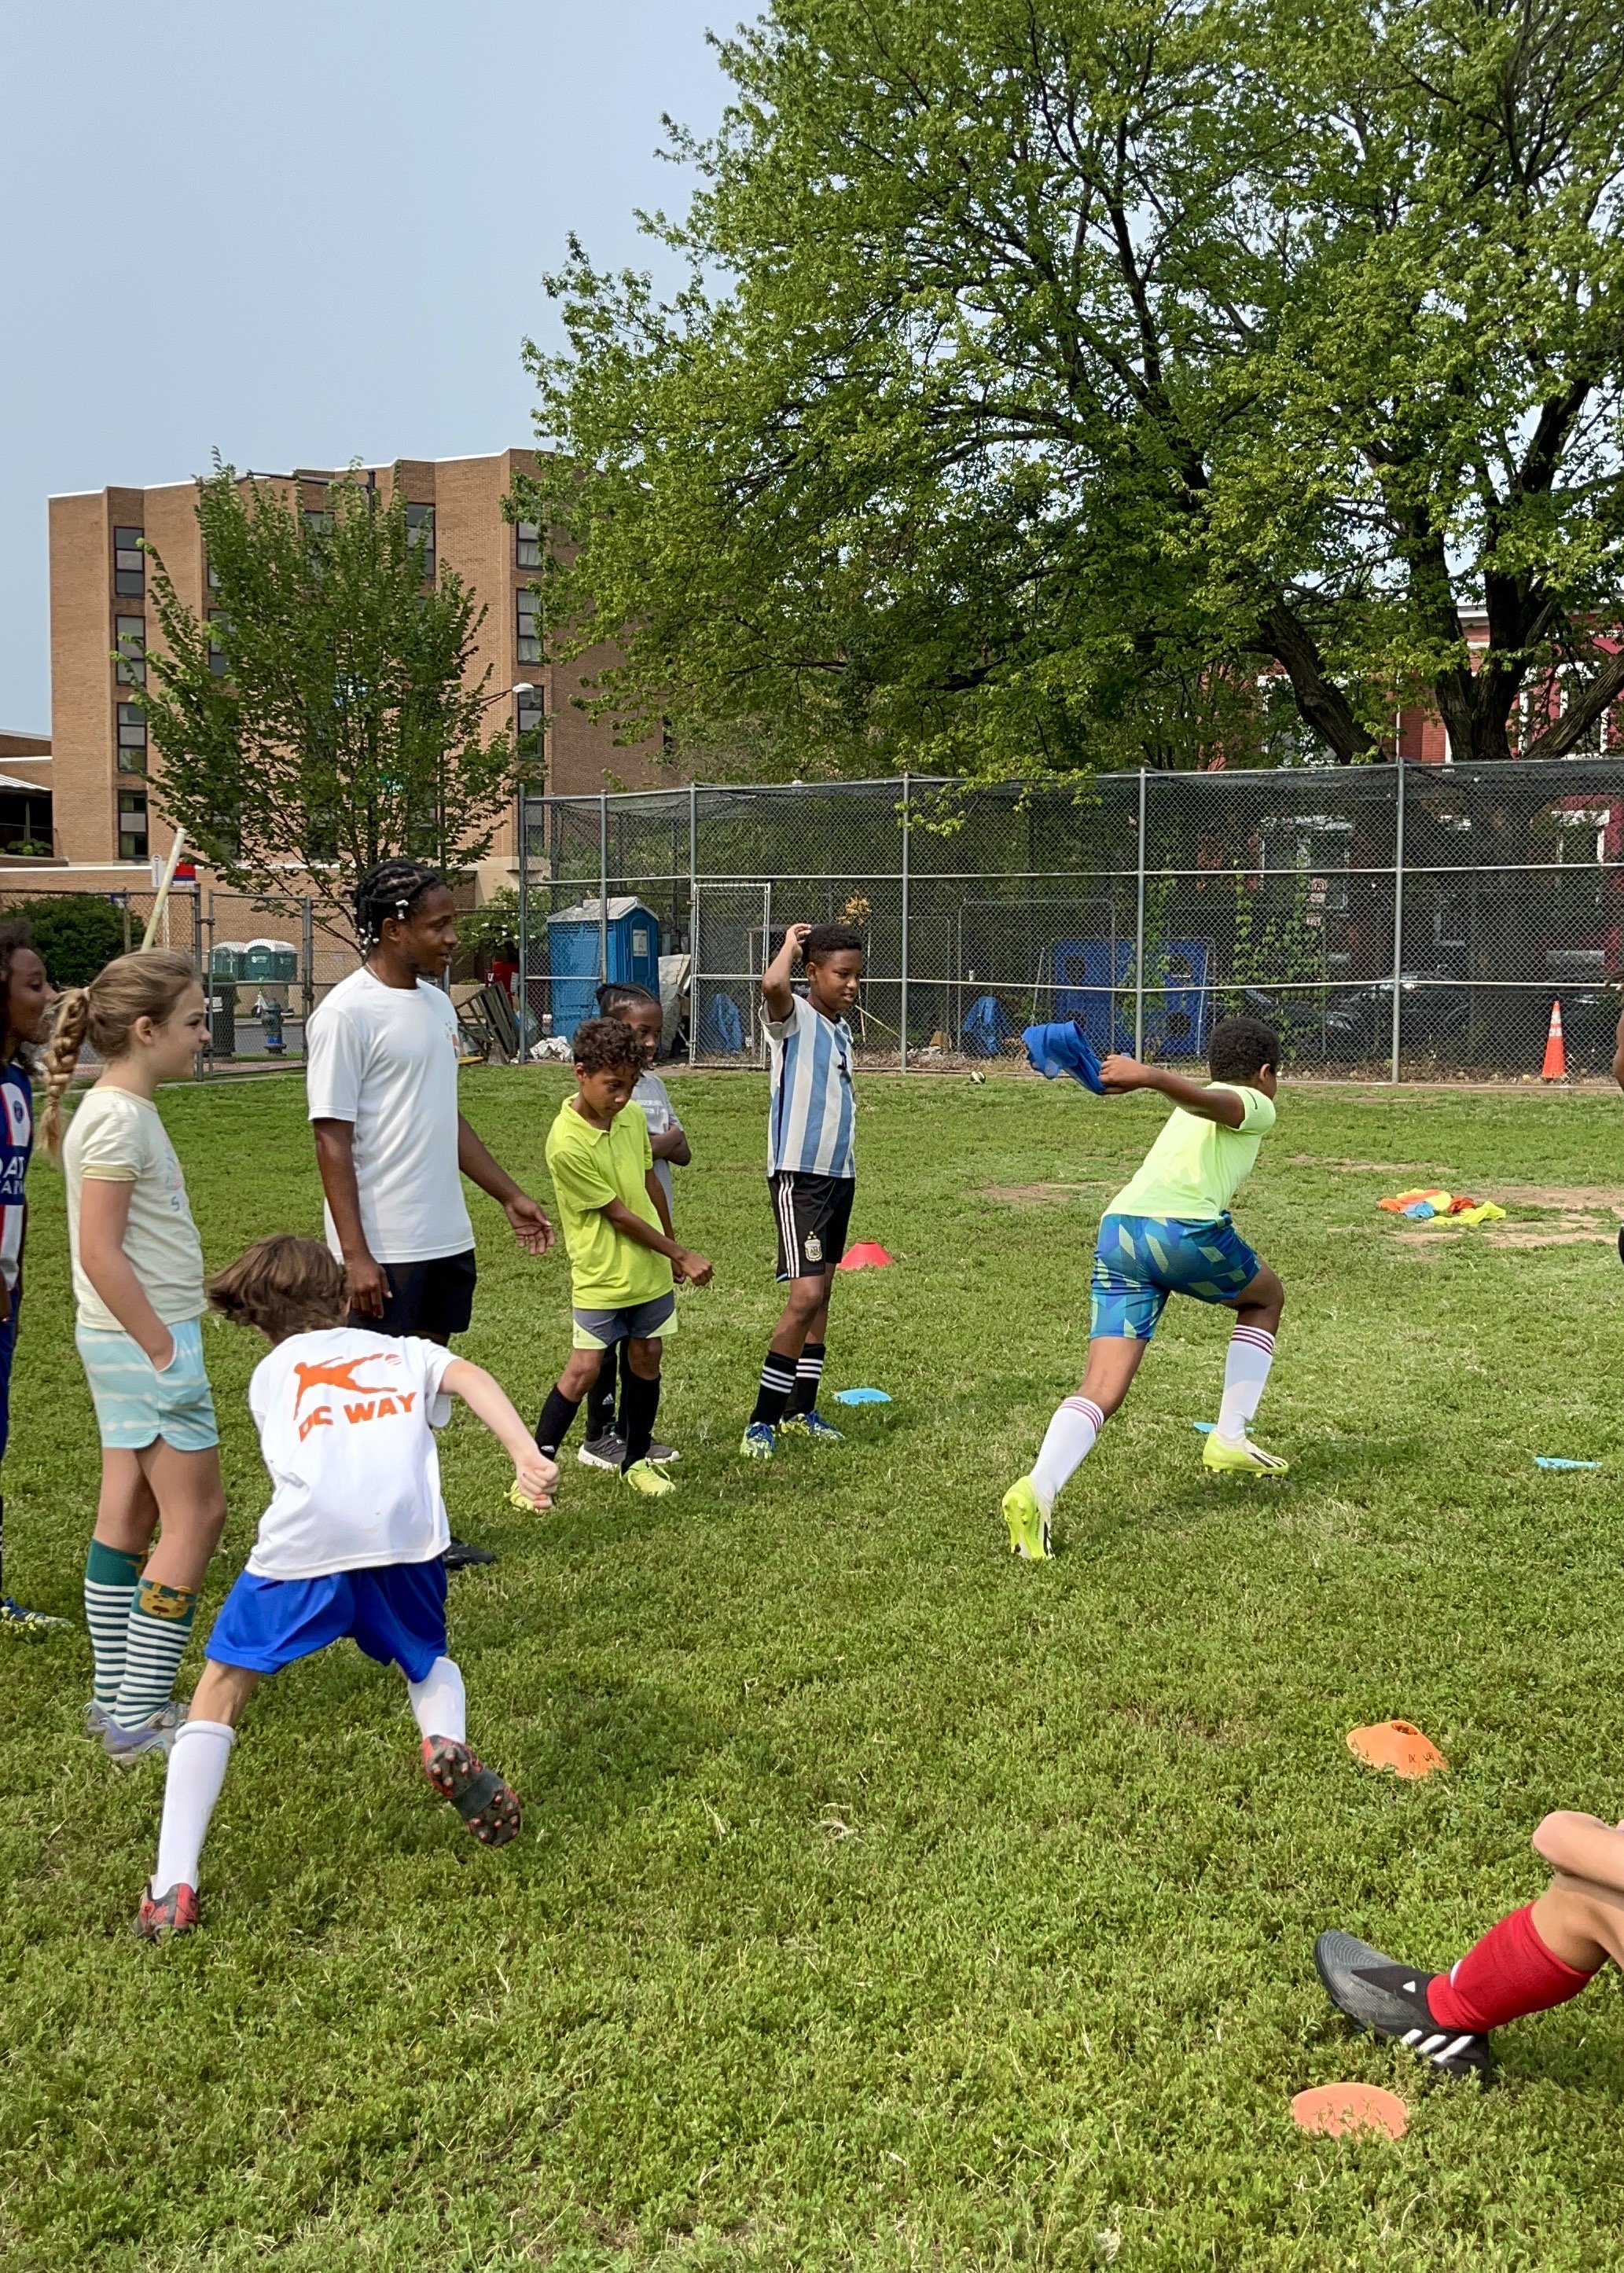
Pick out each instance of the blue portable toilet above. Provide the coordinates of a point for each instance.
(573, 938)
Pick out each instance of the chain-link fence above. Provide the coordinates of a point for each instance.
(1397, 920)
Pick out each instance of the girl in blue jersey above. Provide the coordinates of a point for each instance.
(26, 992)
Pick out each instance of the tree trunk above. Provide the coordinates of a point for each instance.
(1320, 700)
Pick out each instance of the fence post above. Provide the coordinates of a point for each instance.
(902, 1058)
(603, 886)
(525, 927)
(1138, 935)
(693, 923)
(307, 956)
(1398, 912)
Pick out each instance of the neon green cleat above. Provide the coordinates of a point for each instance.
(652, 1482)
(1029, 1536)
(1242, 1460)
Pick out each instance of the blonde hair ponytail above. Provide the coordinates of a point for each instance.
(140, 985)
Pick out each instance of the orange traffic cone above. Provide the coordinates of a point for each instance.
(1555, 1067)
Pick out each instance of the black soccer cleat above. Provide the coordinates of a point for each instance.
(1390, 2000)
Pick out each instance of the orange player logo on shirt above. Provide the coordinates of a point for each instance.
(339, 1373)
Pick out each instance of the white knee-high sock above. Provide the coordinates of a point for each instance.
(197, 1770)
(1070, 1440)
(439, 1701)
(1245, 1371)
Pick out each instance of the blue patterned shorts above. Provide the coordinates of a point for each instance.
(136, 1404)
(1140, 1260)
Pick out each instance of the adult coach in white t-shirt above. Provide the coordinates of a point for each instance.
(392, 1147)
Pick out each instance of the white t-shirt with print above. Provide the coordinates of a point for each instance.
(346, 1420)
(384, 1058)
(117, 1137)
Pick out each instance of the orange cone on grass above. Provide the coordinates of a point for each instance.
(1555, 1067)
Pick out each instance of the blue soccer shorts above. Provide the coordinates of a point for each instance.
(1140, 1260)
(395, 1612)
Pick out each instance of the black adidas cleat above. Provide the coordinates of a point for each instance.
(1390, 2000)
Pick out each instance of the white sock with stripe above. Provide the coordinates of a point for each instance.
(197, 1770)
(1072, 1436)
(1245, 1373)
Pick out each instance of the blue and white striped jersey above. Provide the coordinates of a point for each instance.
(811, 1127)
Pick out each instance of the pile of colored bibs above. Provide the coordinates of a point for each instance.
(1421, 1207)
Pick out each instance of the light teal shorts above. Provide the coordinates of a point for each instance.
(136, 1404)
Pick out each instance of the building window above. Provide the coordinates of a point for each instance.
(130, 638)
(218, 661)
(530, 626)
(131, 738)
(420, 535)
(132, 824)
(129, 563)
(531, 714)
(528, 534)
(318, 522)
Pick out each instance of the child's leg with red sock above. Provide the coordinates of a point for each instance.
(1510, 1972)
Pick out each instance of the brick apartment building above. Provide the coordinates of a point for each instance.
(94, 766)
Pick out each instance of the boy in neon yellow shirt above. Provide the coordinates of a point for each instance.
(617, 1228)
(1168, 1231)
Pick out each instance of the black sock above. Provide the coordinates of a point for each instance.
(557, 1415)
(776, 1381)
(600, 1398)
(809, 1373)
(640, 1402)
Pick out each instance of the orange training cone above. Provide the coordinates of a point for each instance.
(1398, 1746)
(1555, 1067)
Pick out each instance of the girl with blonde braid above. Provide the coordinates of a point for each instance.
(137, 1281)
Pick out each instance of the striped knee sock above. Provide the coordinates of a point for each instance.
(156, 1638)
(1071, 1438)
(809, 1373)
(777, 1383)
(1245, 1372)
(110, 1577)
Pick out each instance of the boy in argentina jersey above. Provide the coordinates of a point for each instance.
(1168, 1231)
(811, 1169)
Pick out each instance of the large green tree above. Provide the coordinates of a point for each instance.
(1049, 373)
(320, 715)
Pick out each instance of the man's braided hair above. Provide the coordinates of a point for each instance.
(393, 888)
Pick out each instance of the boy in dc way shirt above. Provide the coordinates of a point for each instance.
(352, 1543)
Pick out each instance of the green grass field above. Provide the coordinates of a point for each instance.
(881, 1901)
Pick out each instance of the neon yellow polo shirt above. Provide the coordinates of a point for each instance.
(1195, 1168)
(590, 1167)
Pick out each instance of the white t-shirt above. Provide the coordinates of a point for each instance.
(384, 1058)
(346, 1420)
(115, 1138)
(657, 1111)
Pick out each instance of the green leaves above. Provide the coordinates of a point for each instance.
(1047, 371)
(341, 729)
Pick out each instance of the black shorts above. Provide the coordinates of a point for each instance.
(812, 1215)
(433, 1299)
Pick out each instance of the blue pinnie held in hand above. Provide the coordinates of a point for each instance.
(1064, 1047)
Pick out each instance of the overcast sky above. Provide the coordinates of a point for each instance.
(300, 235)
